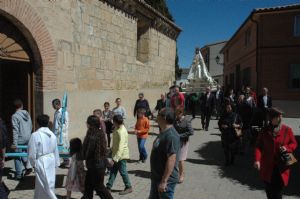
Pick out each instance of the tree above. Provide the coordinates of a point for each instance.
(161, 6)
(178, 70)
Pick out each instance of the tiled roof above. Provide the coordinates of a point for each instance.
(277, 8)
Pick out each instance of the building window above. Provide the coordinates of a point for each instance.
(297, 26)
(294, 79)
(247, 37)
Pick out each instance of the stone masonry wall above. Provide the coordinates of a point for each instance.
(96, 48)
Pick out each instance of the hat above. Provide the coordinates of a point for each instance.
(274, 112)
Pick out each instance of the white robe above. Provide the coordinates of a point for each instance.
(65, 127)
(44, 157)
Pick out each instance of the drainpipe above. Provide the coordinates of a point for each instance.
(257, 54)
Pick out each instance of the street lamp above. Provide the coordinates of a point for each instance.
(218, 60)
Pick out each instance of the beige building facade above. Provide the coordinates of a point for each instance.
(95, 50)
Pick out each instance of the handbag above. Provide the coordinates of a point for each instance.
(288, 159)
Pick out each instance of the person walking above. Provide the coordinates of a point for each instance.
(94, 153)
(194, 99)
(107, 117)
(229, 123)
(76, 174)
(264, 103)
(183, 126)
(142, 103)
(61, 129)
(22, 128)
(120, 154)
(161, 103)
(44, 157)
(164, 157)
(207, 106)
(177, 99)
(119, 110)
(142, 127)
(271, 152)
(219, 101)
(98, 113)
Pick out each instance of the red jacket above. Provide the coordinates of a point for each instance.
(267, 152)
(177, 100)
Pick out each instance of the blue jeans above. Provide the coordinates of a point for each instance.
(20, 163)
(119, 167)
(142, 149)
(169, 194)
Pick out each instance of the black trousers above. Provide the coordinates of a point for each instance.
(275, 187)
(3, 194)
(193, 108)
(94, 180)
(205, 117)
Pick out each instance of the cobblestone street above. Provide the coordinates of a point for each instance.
(205, 176)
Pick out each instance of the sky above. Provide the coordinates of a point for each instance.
(209, 21)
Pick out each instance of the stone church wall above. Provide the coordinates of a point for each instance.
(96, 50)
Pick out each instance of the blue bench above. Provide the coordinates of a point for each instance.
(63, 152)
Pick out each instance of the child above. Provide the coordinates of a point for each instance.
(142, 127)
(107, 116)
(76, 173)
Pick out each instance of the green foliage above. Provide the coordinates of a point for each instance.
(161, 6)
(178, 70)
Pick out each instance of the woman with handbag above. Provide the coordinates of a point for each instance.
(273, 154)
(230, 125)
(183, 126)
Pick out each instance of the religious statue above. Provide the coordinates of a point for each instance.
(198, 69)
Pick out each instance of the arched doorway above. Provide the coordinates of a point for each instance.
(17, 70)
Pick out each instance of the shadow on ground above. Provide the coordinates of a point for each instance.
(28, 183)
(243, 172)
(141, 173)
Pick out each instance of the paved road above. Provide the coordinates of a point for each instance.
(206, 178)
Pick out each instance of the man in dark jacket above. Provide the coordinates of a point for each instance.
(161, 103)
(22, 128)
(264, 103)
(207, 106)
(142, 103)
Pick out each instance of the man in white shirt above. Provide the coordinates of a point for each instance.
(264, 104)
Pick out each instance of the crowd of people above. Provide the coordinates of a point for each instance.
(101, 153)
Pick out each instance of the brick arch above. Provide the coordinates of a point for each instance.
(25, 18)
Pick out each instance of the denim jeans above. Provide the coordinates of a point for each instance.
(169, 194)
(142, 149)
(121, 167)
(20, 163)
